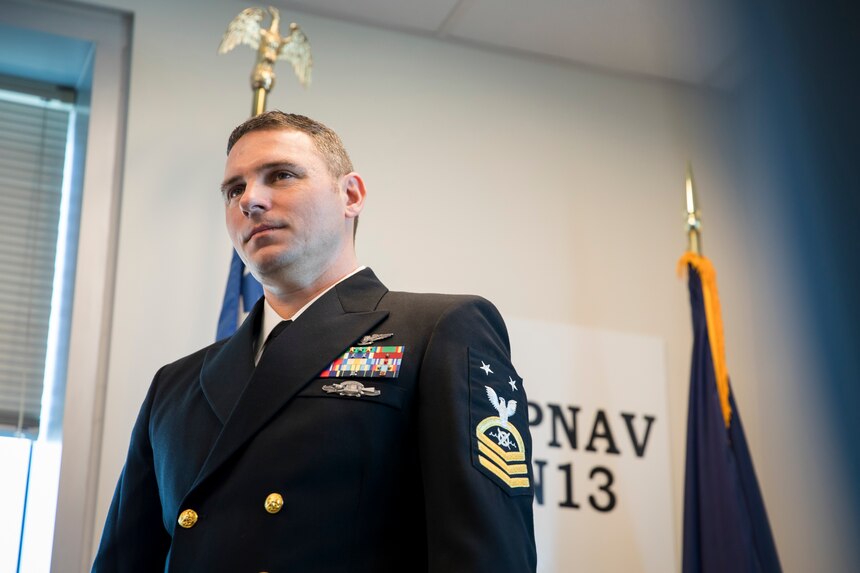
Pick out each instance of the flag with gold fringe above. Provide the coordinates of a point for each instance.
(725, 523)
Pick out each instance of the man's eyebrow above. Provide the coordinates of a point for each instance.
(229, 183)
(264, 167)
(289, 165)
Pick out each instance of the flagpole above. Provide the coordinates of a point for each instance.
(694, 219)
(259, 104)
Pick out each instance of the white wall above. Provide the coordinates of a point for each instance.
(554, 191)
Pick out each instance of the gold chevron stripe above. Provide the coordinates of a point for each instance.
(509, 481)
(510, 469)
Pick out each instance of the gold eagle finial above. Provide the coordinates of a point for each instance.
(247, 28)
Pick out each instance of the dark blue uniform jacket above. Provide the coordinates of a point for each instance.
(424, 476)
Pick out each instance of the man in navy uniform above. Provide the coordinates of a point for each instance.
(343, 427)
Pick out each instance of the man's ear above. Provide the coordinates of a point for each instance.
(354, 193)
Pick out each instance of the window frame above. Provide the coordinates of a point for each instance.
(94, 284)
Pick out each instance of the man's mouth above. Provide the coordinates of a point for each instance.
(260, 229)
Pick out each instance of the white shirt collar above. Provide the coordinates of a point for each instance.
(271, 318)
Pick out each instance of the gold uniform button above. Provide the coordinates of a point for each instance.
(274, 503)
(187, 518)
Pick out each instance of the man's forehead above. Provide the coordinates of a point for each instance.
(275, 136)
(261, 147)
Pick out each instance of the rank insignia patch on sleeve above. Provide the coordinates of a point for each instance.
(366, 362)
(498, 407)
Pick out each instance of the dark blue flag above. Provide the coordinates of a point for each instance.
(725, 523)
(241, 293)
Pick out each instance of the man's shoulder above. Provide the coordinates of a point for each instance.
(366, 288)
(193, 361)
(438, 302)
(439, 309)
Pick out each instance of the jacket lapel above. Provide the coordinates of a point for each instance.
(227, 368)
(295, 357)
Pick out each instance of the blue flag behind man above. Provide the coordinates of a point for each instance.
(725, 522)
(241, 293)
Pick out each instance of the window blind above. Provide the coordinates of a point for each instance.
(33, 139)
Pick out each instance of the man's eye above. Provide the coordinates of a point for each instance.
(233, 192)
(281, 175)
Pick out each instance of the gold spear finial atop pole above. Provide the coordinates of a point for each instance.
(694, 221)
(246, 28)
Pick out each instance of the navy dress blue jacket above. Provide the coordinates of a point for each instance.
(433, 473)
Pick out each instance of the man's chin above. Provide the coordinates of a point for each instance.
(266, 266)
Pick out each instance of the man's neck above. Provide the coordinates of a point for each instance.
(288, 298)
(271, 317)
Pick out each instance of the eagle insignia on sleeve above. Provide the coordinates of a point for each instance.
(499, 450)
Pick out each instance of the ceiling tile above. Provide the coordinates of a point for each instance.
(666, 38)
(402, 15)
(692, 41)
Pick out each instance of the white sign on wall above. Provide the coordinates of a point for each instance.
(599, 425)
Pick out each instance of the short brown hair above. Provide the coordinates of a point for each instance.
(328, 142)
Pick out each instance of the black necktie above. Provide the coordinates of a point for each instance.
(279, 328)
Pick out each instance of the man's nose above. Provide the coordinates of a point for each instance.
(256, 198)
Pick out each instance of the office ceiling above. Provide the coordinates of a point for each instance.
(689, 41)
